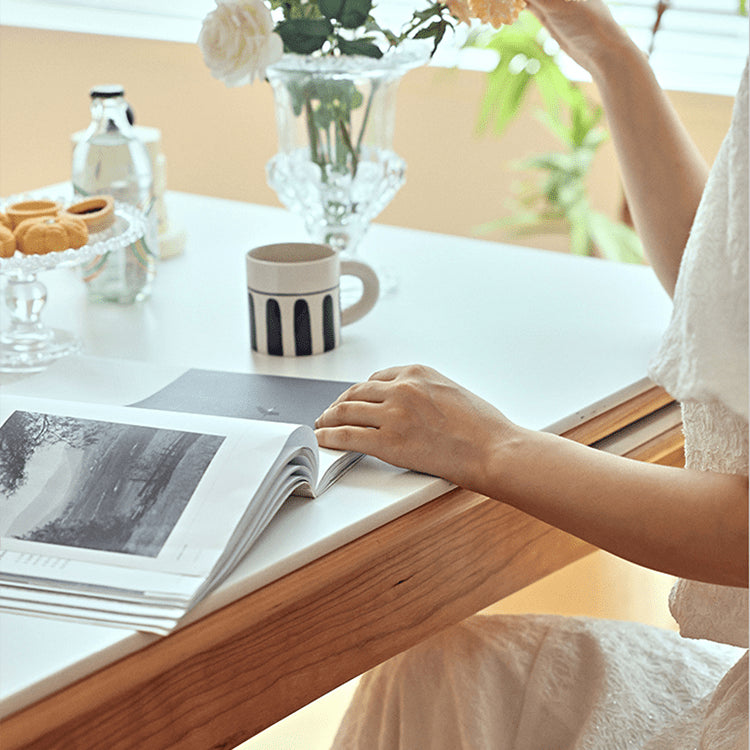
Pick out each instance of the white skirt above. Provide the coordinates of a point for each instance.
(542, 682)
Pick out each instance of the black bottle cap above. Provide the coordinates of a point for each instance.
(106, 91)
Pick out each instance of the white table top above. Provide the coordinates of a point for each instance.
(539, 334)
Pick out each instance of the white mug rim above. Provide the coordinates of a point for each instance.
(288, 269)
(327, 253)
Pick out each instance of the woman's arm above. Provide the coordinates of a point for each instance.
(662, 170)
(686, 523)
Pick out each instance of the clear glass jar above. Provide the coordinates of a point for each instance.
(111, 160)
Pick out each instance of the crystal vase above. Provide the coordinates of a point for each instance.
(336, 167)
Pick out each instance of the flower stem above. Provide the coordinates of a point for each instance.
(345, 137)
(366, 116)
(312, 133)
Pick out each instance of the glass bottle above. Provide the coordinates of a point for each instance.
(111, 160)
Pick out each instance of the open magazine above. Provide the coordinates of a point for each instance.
(129, 515)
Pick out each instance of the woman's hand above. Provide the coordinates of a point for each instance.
(686, 523)
(691, 524)
(585, 30)
(415, 418)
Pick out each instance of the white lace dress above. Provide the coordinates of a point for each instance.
(556, 683)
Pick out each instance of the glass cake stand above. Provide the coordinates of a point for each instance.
(26, 343)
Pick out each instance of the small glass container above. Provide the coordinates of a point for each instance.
(111, 160)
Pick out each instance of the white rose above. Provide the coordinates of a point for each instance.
(238, 42)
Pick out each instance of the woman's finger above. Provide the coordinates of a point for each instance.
(373, 391)
(377, 387)
(356, 413)
(389, 373)
(407, 372)
(348, 438)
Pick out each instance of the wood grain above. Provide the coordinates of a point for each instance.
(237, 671)
(226, 677)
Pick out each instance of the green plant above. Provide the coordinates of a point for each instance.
(348, 27)
(557, 201)
(335, 28)
(241, 39)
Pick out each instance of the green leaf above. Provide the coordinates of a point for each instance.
(580, 240)
(354, 13)
(553, 162)
(358, 47)
(428, 31)
(526, 223)
(570, 195)
(304, 36)
(556, 125)
(583, 118)
(444, 26)
(435, 31)
(330, 8)
(510, 100)
(491, 99)
(332, 100)
(372, 25)
(594, 138)
(554, 87)
(615, 240)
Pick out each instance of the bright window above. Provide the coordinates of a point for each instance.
(701, 44)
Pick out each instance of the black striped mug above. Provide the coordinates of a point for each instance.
(293, 296)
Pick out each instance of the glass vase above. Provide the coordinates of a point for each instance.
(335, 116)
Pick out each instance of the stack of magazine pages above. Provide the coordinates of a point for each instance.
(129, 515)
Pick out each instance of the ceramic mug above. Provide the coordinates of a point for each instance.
(293, 295)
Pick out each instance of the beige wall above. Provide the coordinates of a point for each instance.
(217, 141)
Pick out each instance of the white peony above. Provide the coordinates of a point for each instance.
(238, 42)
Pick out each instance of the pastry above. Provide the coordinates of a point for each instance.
(97, 211)
(7, 242)
(23, 210)
(48, 234)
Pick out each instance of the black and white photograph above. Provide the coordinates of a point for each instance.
(95, 484)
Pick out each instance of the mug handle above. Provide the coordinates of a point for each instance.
(370, 290)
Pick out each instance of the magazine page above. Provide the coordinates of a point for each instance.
(154, 618)
(266, 398)
(134, 502)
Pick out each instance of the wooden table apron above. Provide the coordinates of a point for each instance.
(240, 669)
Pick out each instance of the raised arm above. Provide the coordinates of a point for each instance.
(687, 523)
(662, 170)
